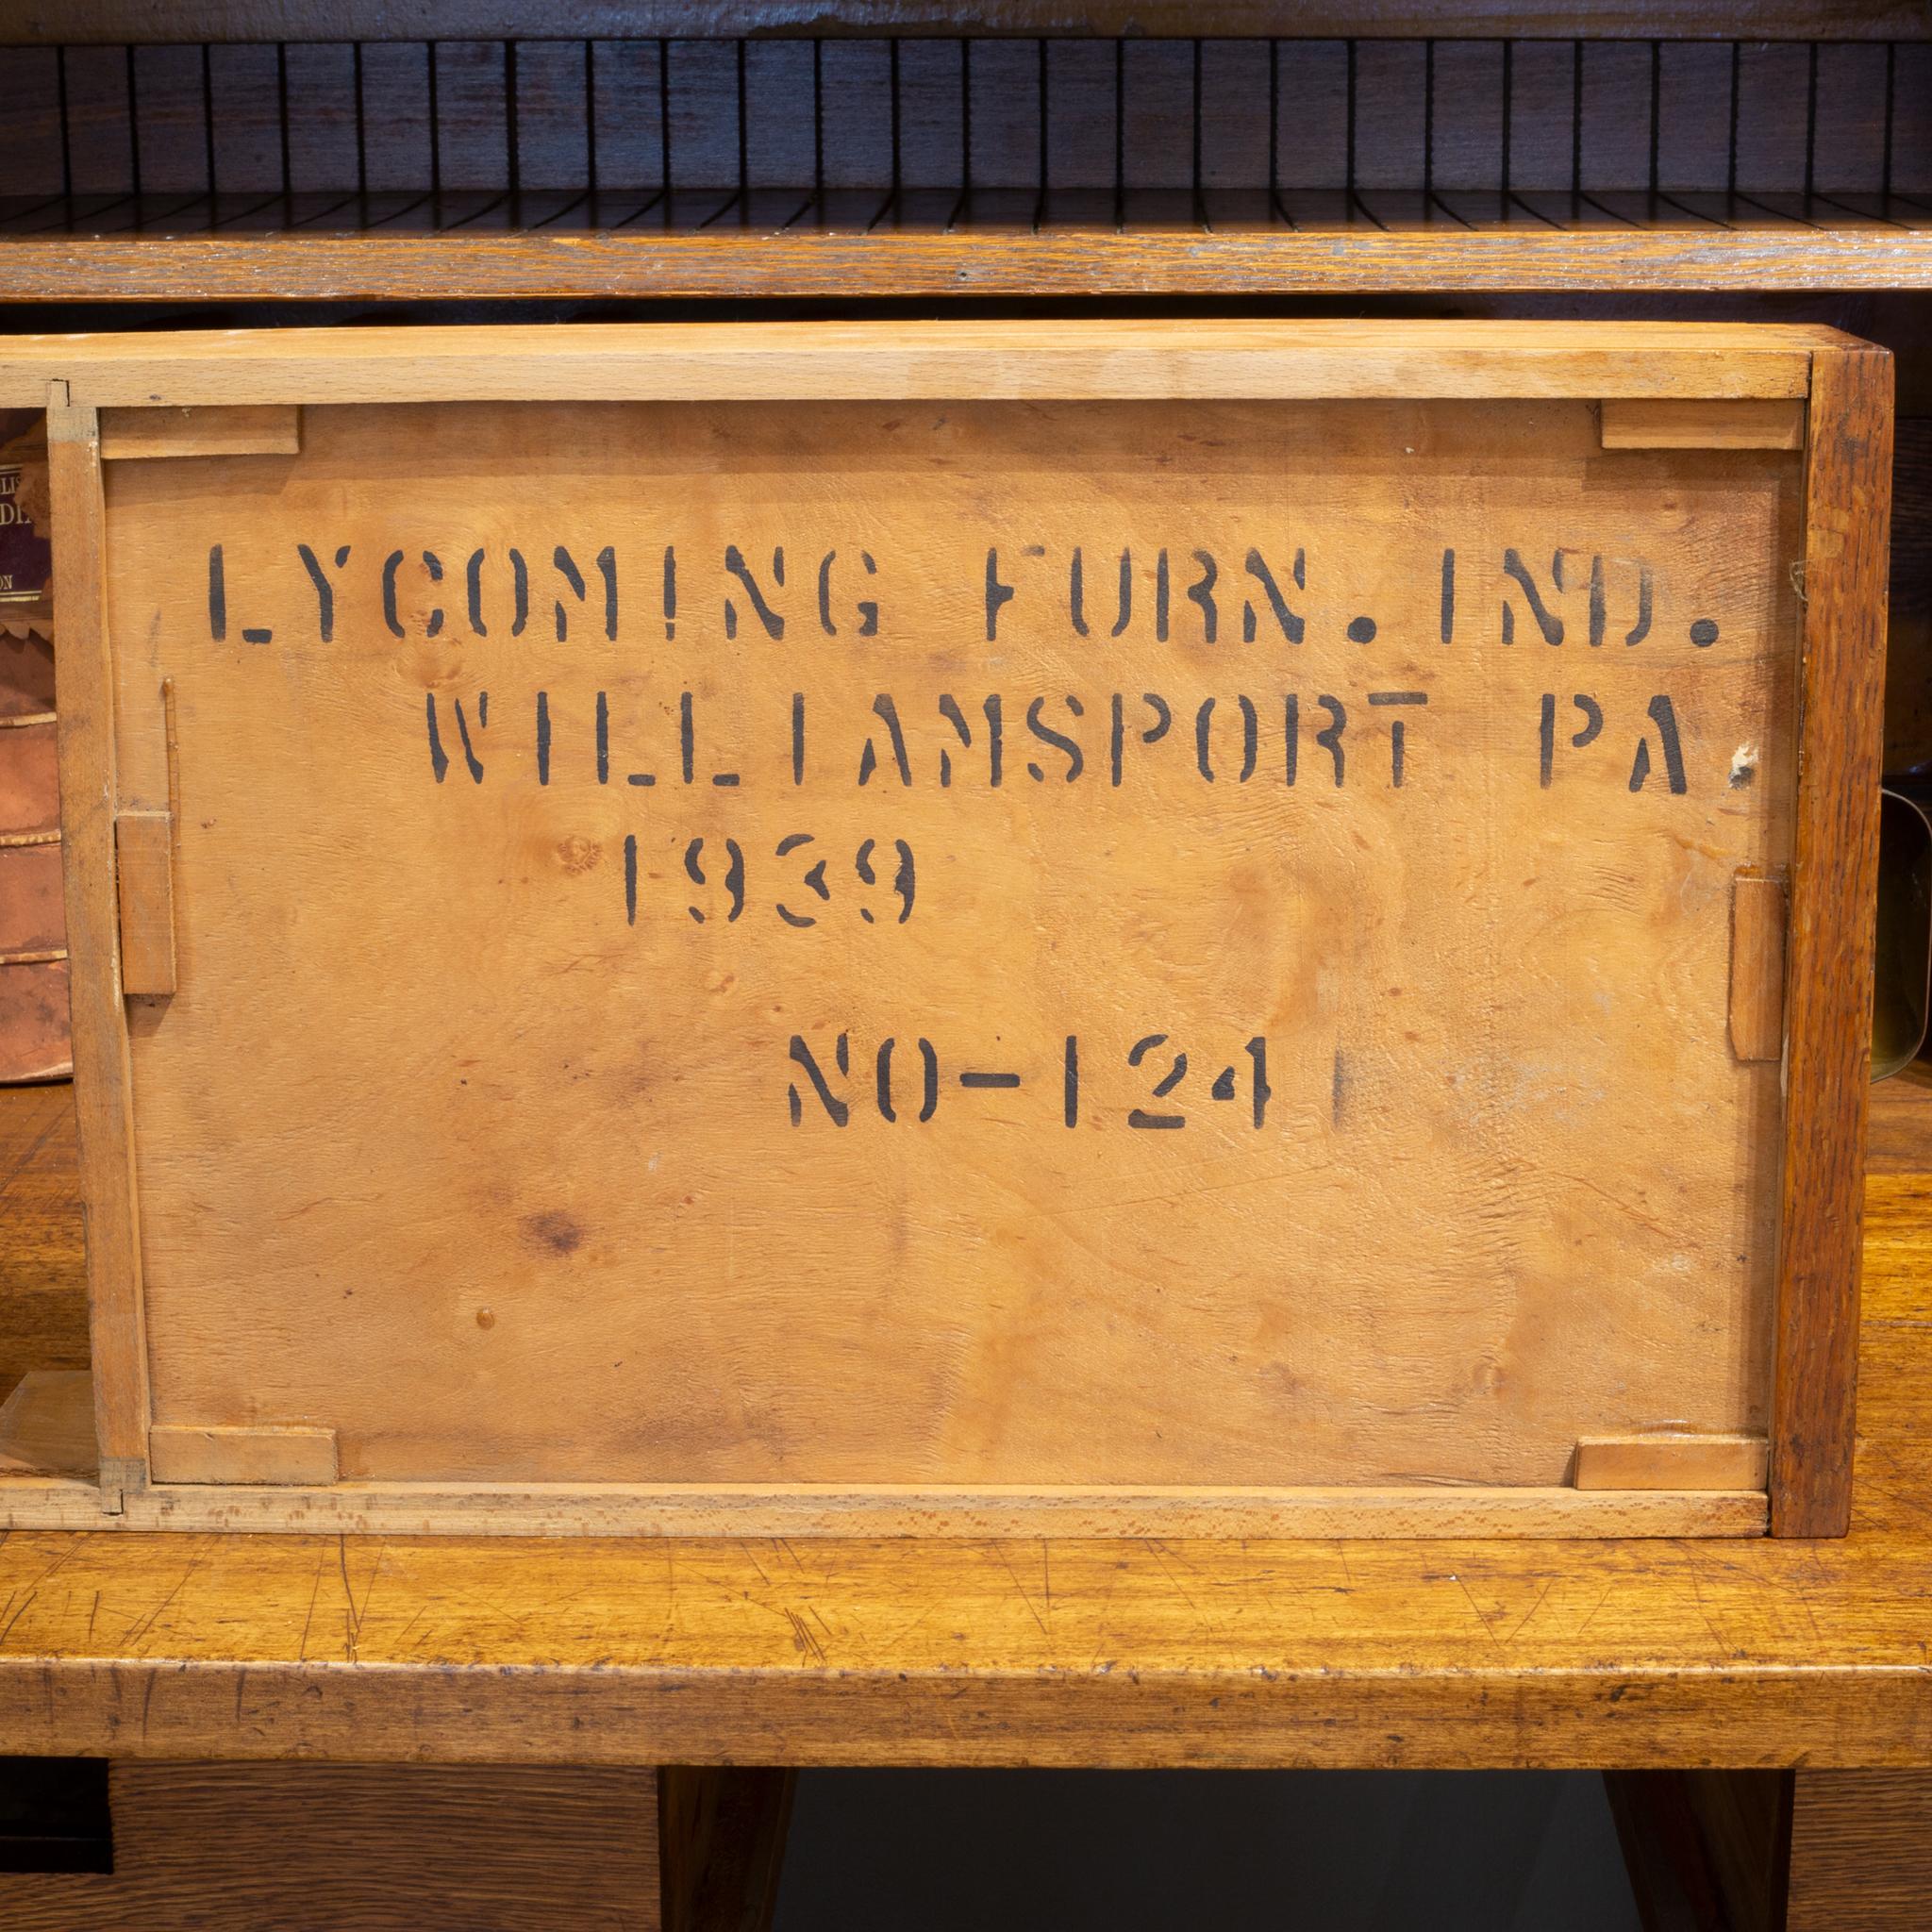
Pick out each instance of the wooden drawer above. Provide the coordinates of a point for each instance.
(1160, 927)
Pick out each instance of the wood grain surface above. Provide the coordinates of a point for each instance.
(266, 1455)
(267, 429)
(44, 1275)
(1704, 426)
(1758, 917)
(144, 888)
(47, 1425)
(1038, 1290)
(1137, 1652)
(38, 1046)
(720, 1837)
(1830, 941)
(1670, 1461)
(1705, 1851)
(1861, 1852)
(1899, 1126)
(190, 1498)
(86, 697)
(380, 1847)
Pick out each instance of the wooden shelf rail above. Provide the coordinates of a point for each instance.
(779, 241)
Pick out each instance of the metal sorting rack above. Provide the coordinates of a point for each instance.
(776, 134)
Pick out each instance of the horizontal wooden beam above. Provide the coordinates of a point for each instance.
(847, 265)
(46, 22)
(807, 1511)
(1070, 360)
(909, 1652)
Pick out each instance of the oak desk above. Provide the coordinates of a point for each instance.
(1074, 1653)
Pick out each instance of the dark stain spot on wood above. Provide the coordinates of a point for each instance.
(561, 1233)
(1338, 1092)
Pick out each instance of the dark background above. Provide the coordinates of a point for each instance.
(1292, 1850)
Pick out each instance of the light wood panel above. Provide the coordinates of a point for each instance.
(844, 1300)
(1670, 1461)
(47, 1426)
(287, 1455)
(1704, 426)
(381, 1847)
(263, 430)
(144, 883)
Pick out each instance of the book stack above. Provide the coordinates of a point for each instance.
(34, 1043)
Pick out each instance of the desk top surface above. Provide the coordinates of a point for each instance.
(1059, 1652)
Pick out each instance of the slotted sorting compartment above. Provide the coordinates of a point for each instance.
(745, 166)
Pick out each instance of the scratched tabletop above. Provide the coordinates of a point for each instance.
(1061, 1652)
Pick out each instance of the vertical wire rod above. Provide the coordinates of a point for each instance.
(744, 138)
(892, 82)
(1200, 198)
(208, 119)
(1811, 122)
(1576, 119)
(1507, 132)
(1119, 135)
(133, 127)
(435, 138)
(282, 120)
(512, 132)
(1657, 118)
(1040, 88)
(965, 202)
(1731, 134)
(1274, 128)
(591, 123)
(66, 125)
(361, 132)
(1429, 121)
(664, 124)
(1890, 105)
(1349, 128)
